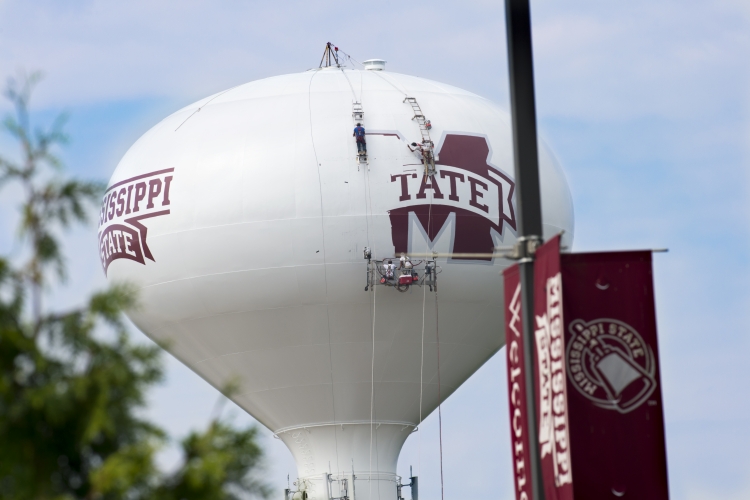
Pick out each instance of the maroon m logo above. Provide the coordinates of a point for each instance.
(466, 185)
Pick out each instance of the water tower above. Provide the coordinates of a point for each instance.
(244, 220)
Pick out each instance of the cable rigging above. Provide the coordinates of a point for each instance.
(325, 276)
(378, 272)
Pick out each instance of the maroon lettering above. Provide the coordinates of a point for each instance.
(128, 196)
(117, 234)
(103, 211)
(127, 203)
(154, 188)
(517, 422)
(140, 193)
(513, 352)
(459, 156)
(429, 185)
(520, 472)
(111, 204)
(453, 176)
(127, 237)
(404, 185)
(102, 253)
(119, 242)
(110, 244)
(167, 183)
(120, 202)
(476, 194)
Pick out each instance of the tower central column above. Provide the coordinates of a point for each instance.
(354, 459)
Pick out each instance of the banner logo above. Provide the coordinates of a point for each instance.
(125, 205)
(609, 363)
(466, 189)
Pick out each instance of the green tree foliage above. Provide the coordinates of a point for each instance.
(216, 464)
(72, 384)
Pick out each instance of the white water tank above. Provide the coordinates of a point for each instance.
(242, 219)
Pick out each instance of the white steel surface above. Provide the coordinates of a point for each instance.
(257, 274)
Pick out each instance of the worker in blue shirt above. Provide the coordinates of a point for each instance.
(359, 134)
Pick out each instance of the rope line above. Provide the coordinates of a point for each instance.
(440, 402)
(368, 200)
(368, 195)
(372, 396)
(206, 104)
(373, 72)
(421, 385)
(350, 86)
(372, 383)
(437, 336)
(391, 83)
(421, 361)
(325, 274)
(424, 306)
(368, 216)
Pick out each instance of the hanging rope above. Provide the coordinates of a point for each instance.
(204, 105)
(424, 301)
(352, 60)
(372, 382)
(325, 276)
(421, 385)
(424, 306)
(351, 87)
(373, 72)
(440, 402)
(421, 362)
(368, 204)
(368, 215)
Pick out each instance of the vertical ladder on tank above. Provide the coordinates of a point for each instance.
(359, 117)
(427, 145)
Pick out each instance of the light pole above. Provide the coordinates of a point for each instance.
(528, 202)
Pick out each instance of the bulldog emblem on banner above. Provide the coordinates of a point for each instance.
(596, 351)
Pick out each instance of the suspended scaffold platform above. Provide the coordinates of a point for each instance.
(401, 272)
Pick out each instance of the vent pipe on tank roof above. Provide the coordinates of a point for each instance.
(374, 64)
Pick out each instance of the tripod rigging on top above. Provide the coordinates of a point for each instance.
(331, 52)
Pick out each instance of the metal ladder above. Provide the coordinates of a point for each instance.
(358, 116)
(357, 113)
(428, 146)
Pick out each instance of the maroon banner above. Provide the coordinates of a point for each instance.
(519, 436)
(549, 374)
(614, 395)
(597, 389)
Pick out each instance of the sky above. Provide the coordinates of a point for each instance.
(646, 105)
